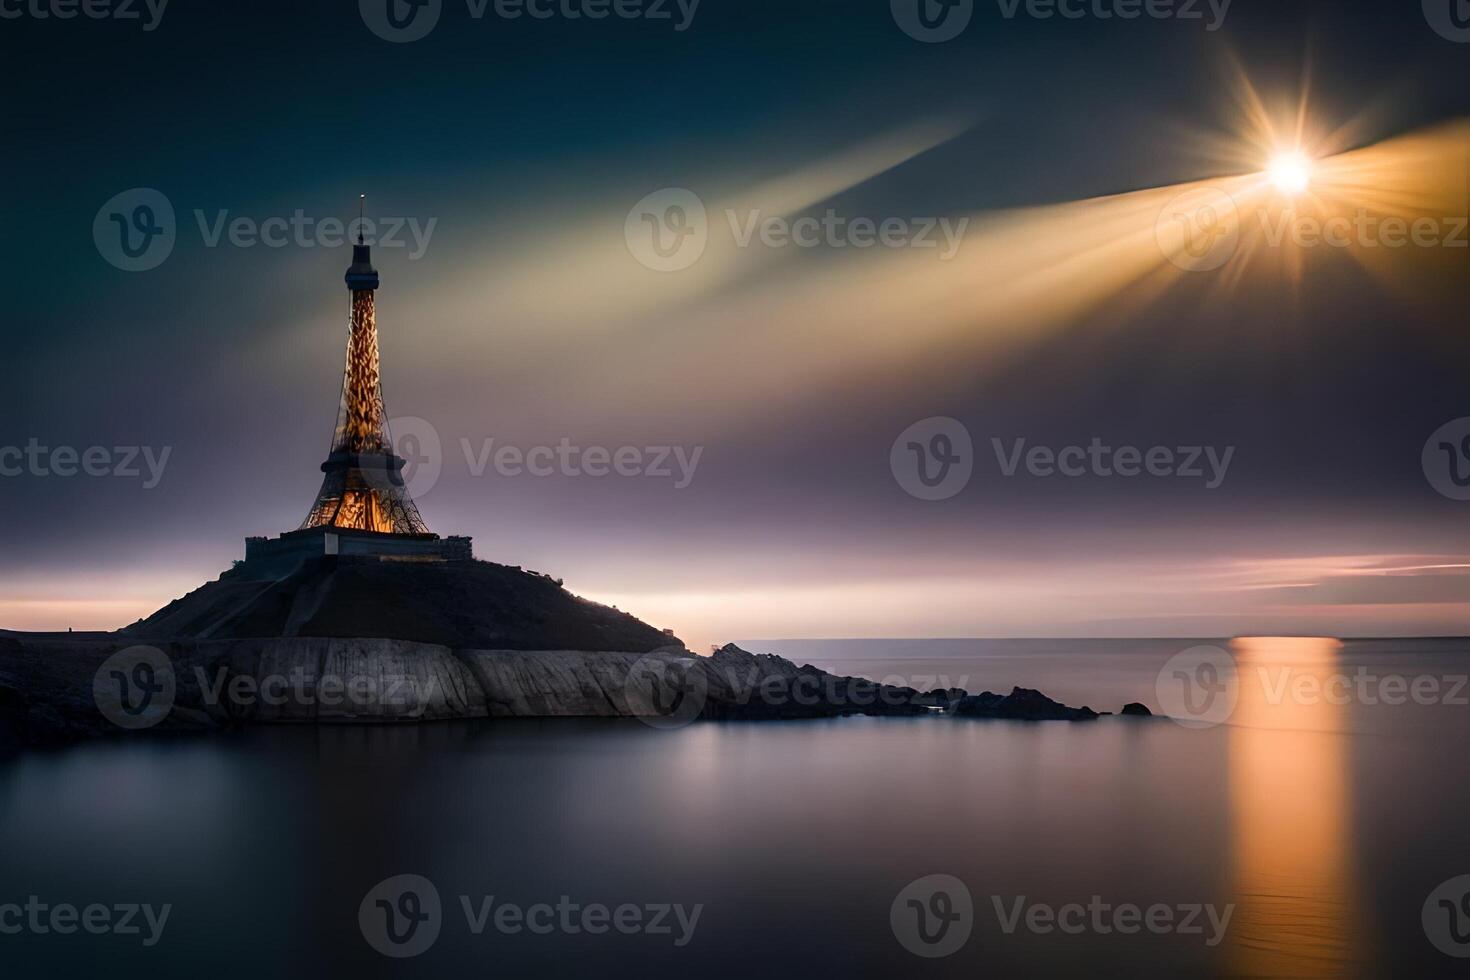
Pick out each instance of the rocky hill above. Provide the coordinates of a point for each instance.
(462, 604)
(345, 639)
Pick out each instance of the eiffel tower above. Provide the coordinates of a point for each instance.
(363, 489)
(363, 508)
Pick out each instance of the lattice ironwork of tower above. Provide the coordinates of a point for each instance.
(363, 489)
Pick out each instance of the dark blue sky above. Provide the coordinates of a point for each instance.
(525, 320)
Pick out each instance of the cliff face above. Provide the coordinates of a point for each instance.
(336, 679)
(48, 684)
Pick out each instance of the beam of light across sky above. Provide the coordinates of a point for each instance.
(1069, 295)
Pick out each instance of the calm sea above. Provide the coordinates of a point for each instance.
(1322, 815)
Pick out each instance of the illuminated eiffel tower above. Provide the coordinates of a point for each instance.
(363, 508)
(363, 489)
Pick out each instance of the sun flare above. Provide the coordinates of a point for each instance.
(1290, 172)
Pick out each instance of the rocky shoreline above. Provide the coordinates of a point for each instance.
(57, 688)
(353, 640)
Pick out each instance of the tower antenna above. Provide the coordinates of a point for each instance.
(361, 204)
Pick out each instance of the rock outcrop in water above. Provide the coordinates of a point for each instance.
(46, 685)
(1022, 704)
(343, 639)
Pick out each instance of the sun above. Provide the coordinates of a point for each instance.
(1290, 172)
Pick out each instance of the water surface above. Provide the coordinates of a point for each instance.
(1325, 826)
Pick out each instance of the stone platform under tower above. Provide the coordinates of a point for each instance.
(279, 555)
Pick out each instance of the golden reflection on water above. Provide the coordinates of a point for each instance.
(1292, 876)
